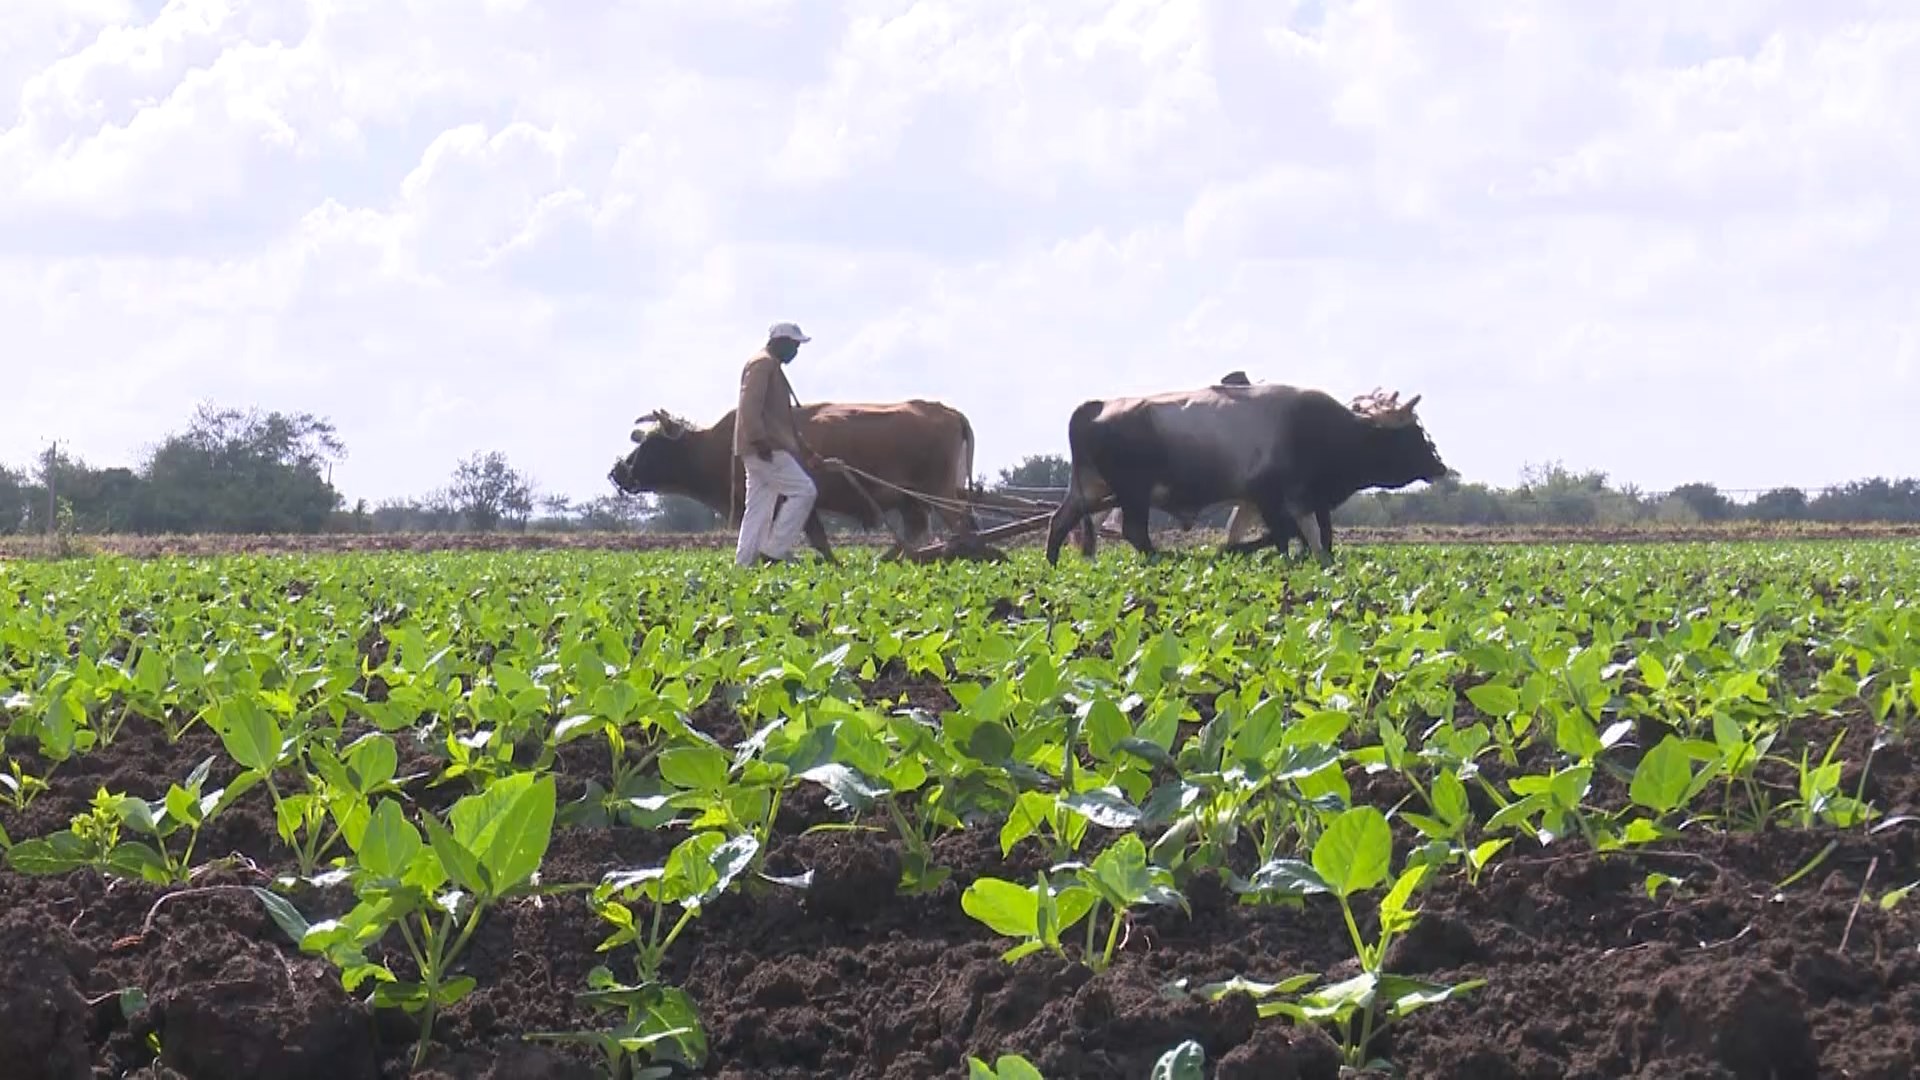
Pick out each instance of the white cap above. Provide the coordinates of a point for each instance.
(788, 330)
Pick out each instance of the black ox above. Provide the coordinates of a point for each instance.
(1292, 454)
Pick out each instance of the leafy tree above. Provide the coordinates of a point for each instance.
(433, 514)
(102, 500)
(612, 513)
(1560, 496)
(13, 501)
(679, 514)
(241, 471)
(1038, 471)
(1704, 500)
(1877, 499)
(487, 491)
(1781, 504)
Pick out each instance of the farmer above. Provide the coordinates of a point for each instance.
(766, 437)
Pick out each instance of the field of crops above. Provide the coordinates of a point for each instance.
(1450, 811)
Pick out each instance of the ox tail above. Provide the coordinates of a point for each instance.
(963, 483)
(1072, 510)
(1080, 448)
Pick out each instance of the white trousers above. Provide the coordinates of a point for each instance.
(761, 532)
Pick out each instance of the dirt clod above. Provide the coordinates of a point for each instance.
(853, 876)
(1277, 1052)
(43, 1018)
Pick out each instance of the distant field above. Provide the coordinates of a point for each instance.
(1477, 810)
(151, 546)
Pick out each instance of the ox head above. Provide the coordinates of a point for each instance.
(661, 457)
(1406, 451)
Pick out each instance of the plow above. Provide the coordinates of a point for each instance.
(970, 545)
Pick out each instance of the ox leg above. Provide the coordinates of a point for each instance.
(1324, 518)
(1089, 536)
(1244, 519)
(1072, 511)
(914, 525)
(1134, 515)
(1308, 522)
(1277, 510)
(816, 531)
(1280, 533)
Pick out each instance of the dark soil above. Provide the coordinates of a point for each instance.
(1725, 975)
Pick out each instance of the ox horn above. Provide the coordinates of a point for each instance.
(643, 424)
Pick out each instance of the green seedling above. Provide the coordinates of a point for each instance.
(1005, 1067)
(660, 1026)
(1119, 878)
(697, 872)
(93, 839)
(433, 891)
(1354, 855)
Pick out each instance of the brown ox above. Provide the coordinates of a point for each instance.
(921, 446)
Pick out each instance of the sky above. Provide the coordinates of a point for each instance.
(1671, 242)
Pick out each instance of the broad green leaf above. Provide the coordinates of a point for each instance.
(695, 768)
(1287, 877)
(1030, 812)
(1661, 780)
(1575, 734)
(1106, 808)
(1014, 1067)
(390, 842)
(1105, 728)
(134, 859)
(728, 861)
(1450, 798)
(284, 914)
(55, 853)
(1320, 728)
(1495, 700)
(1396, 914)
(1161, 724)
(512, 847)
(1352, 854)
(462, 866)
(1006, 908)
(250, 734)
(1652, 672)
(846, 785)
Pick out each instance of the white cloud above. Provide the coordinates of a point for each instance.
(1672, 242)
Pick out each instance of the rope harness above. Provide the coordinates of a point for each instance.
(957, 506)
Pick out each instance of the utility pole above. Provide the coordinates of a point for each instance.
(53, 452)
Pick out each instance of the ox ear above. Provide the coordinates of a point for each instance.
(658, 420)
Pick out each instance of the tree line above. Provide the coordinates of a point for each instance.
(245, 471)
(1552, 494)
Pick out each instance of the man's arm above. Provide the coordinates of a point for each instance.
(750, 417)
(810, 459)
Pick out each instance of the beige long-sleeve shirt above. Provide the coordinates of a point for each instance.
(766, 408)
